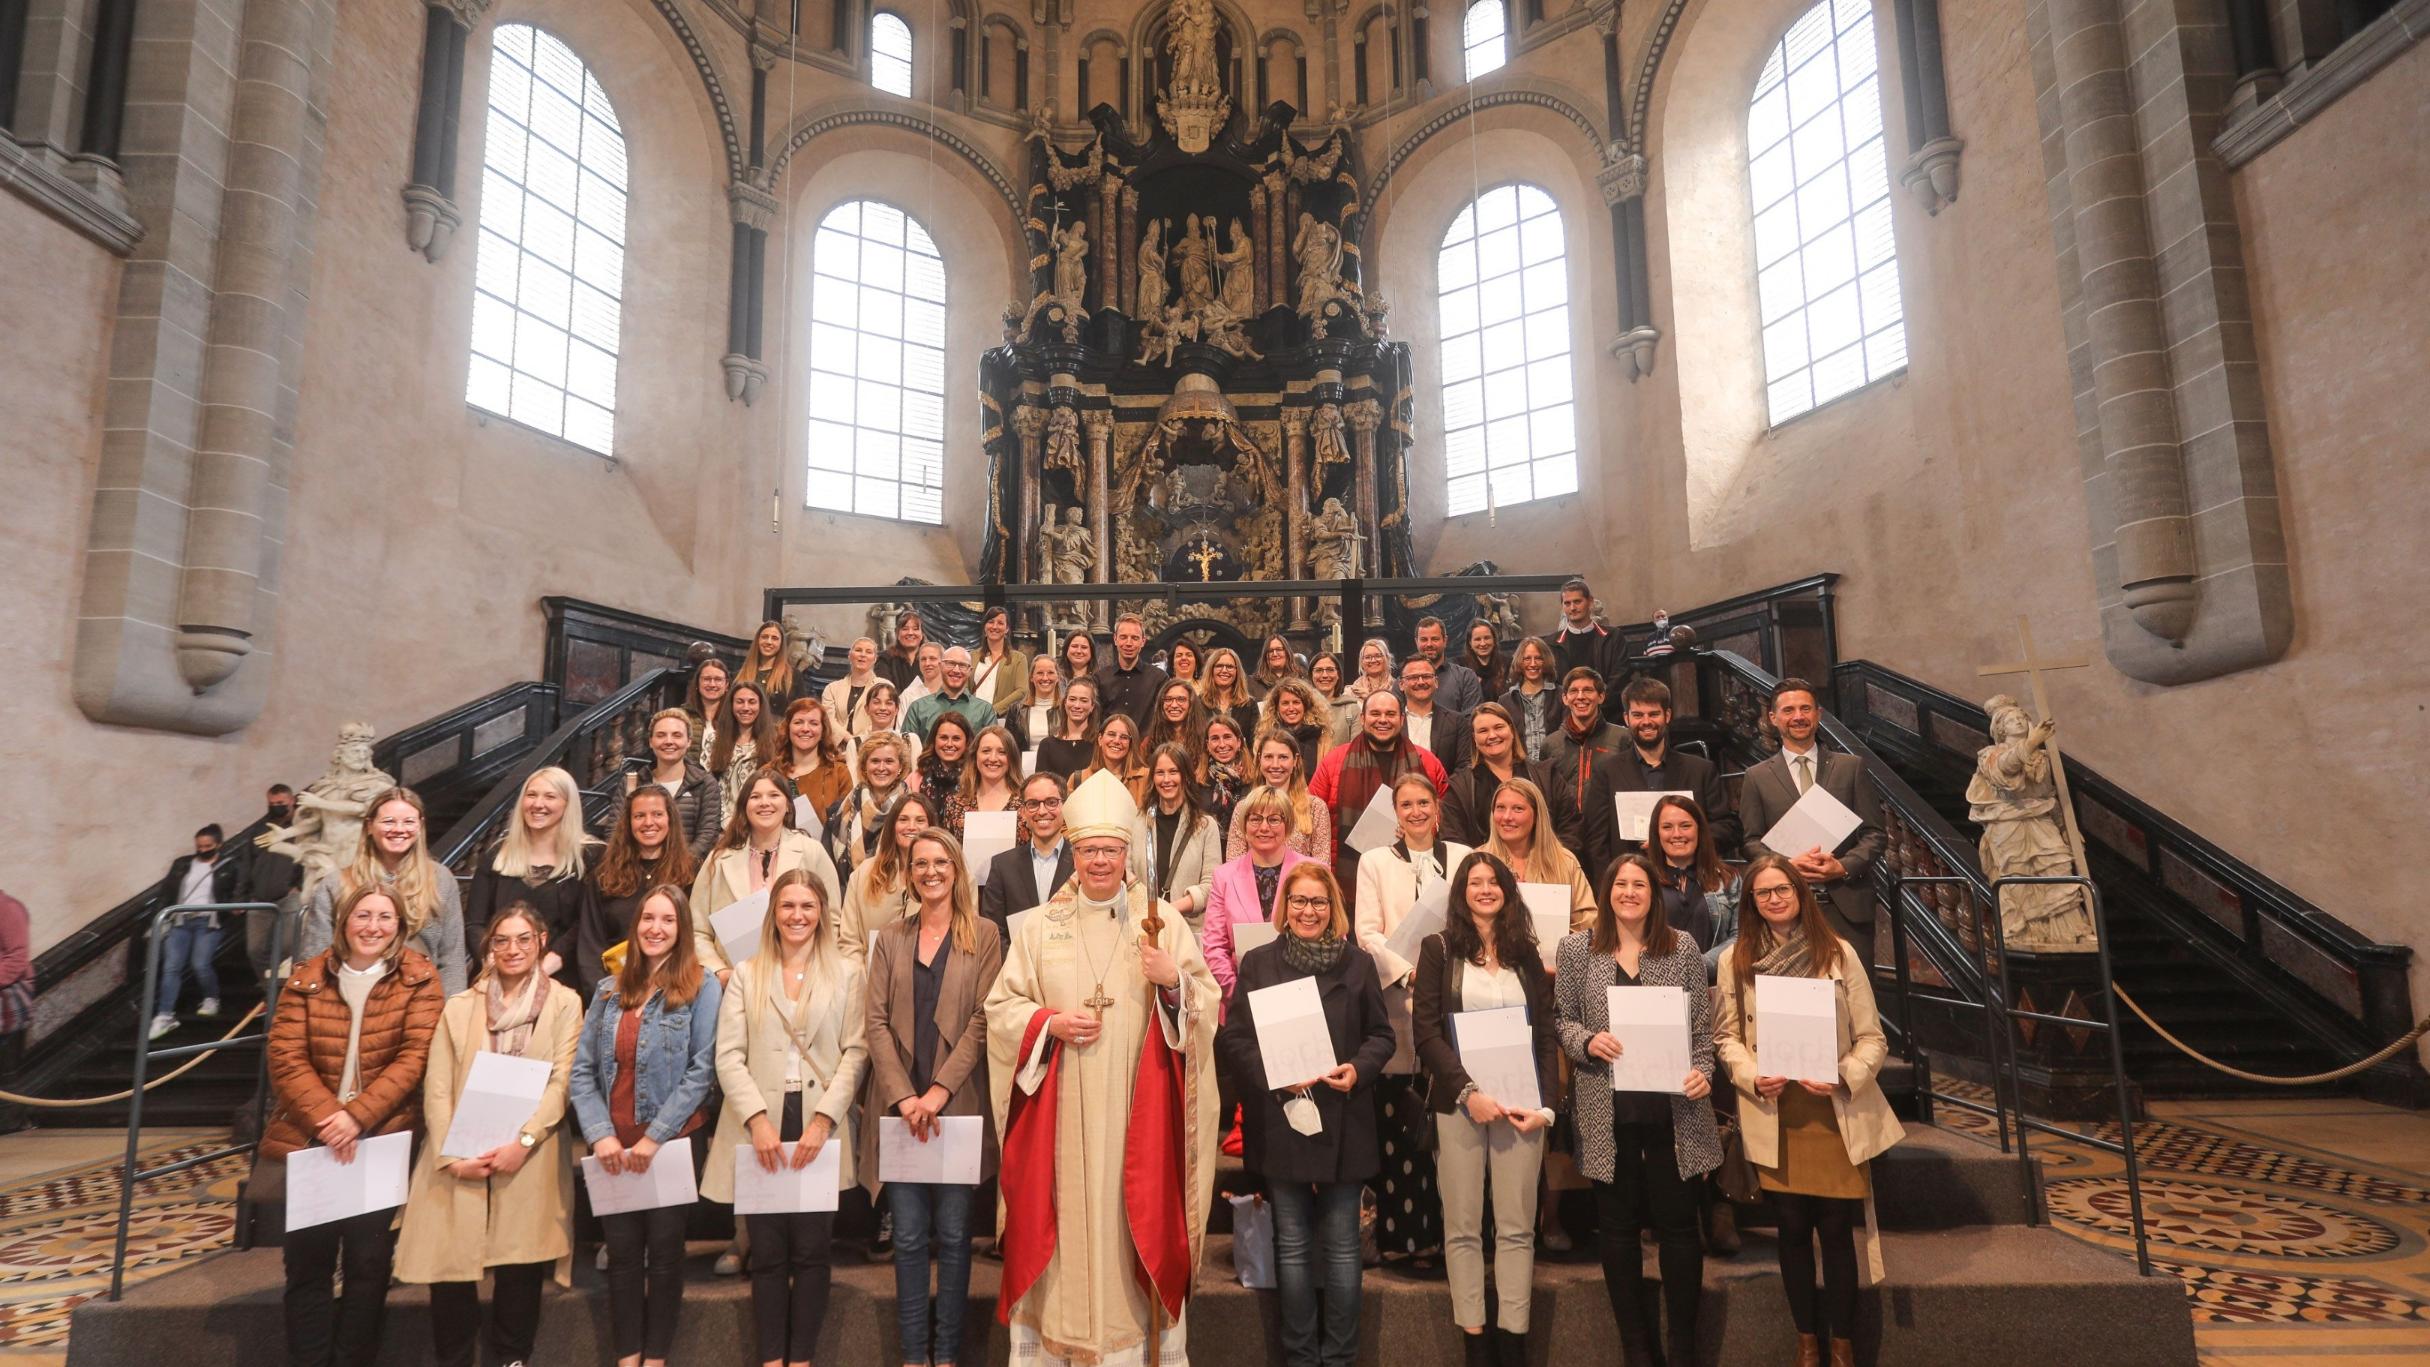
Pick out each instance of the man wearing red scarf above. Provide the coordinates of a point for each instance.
(1349, 776)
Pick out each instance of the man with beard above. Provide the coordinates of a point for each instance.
(1842, 879)
(1433, 724)
(1582, 642)
(1649, 764)
(1351, 774)
(1456, 685)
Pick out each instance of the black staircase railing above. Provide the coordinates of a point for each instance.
(593, 747)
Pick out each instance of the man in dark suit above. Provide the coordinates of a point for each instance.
(1432, 724)
(1030, 872)
(1650, 765)
(1842, 880)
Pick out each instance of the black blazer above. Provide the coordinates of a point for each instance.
(1468, 806)
(1681, 769)
(1451, 744)
(225, 876)
(1346, 1149)
(1012, 886)
(1435, 999)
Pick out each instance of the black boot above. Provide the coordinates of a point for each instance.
(1509, 1349)
(1479, 1348)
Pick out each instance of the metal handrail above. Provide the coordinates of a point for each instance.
(1992, 1041)
(467, 834)
(128, 1174)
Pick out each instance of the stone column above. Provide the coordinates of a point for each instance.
(1931, 171)
(1029, 421)
(1364, 417)
(1261, 239)
(1098, 425)
(1295, 506)
(1129, 279)
(431, 215)
(1329, 15)
(1278, 232)
(1094, 212)
(1113, 260)
(754, 211)
(1622, 181)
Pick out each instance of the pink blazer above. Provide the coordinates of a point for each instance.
(1234, 900)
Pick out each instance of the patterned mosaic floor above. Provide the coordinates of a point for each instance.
(2290, 1252)
(57, 1229)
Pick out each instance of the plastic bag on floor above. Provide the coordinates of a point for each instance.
(1253, 1241)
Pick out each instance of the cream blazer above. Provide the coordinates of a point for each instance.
(1387, 888)
(454, 1228)
(751, 1053)
(1866, 1124)
(1197, 849)
(725, 878)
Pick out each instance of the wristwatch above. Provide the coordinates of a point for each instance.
(528, 1140)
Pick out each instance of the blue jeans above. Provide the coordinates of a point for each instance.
(1313, 1223)
(930, 1216)
(188, 946)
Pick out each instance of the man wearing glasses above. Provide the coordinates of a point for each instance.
(1029, 873)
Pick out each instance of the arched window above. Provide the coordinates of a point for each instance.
(1826, 268)
(1507, 413)
(877, 365)
(1481, 37)
(890, 53)
(549, 277)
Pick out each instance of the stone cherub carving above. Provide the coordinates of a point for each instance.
(328, 828)
(1164, 334)
(1066, 555)
(2015, 799)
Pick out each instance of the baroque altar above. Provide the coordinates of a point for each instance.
(1198, 386)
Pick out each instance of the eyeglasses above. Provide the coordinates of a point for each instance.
(1309, 903)
(1783, 893)
(1042, 803)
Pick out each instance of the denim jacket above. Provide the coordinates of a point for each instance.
(675, 1061)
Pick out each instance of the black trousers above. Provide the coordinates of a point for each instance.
(1831, 1222)
(792, 1269)
(325, 1330)
(1646, 1188)
(645, 1272)
(514, 1315)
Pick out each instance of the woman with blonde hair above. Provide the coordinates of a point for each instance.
(538, 862)
(394, 854)
(1277, 763)
(768, 666)
(811, 756)
(641, 1081)
(929, 976)
(1520, 833)
(760, 845)
(1811, 1140)
(792, 1043)
(843, 697)
(749, 738)
(507, 1212)
(1242, 889)
(1374, 669)
(1226, 688)
(1032, 716)
(883, 761)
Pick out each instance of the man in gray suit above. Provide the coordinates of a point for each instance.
(1842, 880)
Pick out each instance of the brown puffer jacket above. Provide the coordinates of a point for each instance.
(308, 1051)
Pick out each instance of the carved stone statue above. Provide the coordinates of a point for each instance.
(1165, 333)
(1239, 274)
(1066, 555)
(1071, 265)
(1502, 610)
(328, 828)
(1332, 551)
(1194, 254)
(1063, 440)
(1318, 249)
(1222, 328)
(1191, 42)
(803, 648)
(1325, 439)
(882, 617)
(1151, 269)
(2013, 797)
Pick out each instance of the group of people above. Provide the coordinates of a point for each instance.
(1184, 841)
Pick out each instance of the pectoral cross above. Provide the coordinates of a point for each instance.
(1096, 1003)
(2032, 667)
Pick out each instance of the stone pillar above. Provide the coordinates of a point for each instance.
(1113, 261)
(1365, 416)
(754, 211)
(1093, 211)
(1328, 13)
(1278, 232)
(1029, 421)
(1128, 280)
(1931, 171)
(1622, 181)
(431, 215)
(1295, 506)
(1261, 238)
(1098, 425)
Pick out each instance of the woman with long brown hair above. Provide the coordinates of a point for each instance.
(1226, 687)
(706, 702)
(1533, 696)
(760, 843)
(1223, 764)
(769, 666)
(1118, 753)
(1810, 1139)
(998, 672)
(1068, 747)
(880, 890)
(1482, 653)
(648, 847)
(1275, 662)
(992, 780)
(1293, 708)
(1175, 718)
(1699, 893)
(395, 854)
(946, 762)
(750, 737)
(1177, 846)
(641, 1081)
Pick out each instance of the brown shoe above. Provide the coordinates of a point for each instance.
(1843, 1353)
(1809, 1351)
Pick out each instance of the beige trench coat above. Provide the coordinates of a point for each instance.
(454, 1228)
(751, 1069)
(1866, 1124)
(725, 878)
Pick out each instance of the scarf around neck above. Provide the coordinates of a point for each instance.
(1312, 956)
(1791, 957)
(511, 1022)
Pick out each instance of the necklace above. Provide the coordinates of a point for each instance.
(1097, 1000)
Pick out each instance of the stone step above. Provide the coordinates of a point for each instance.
(1936, 1179)
(1998, 1296)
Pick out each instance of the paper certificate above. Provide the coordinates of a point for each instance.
(986, 835)
(1498, 1049)
(1651, 1024)
(1248, 935)
(788, 1190)
(737, 925)
(1292, 1036)
(1818, 821)
(1633, 811)
(667, 1183)
(1376, 826)
(1029, 762)
(949, 1158)
(1797, 1028)
(1012, 929)
(320, 1189)
(1425, 917)
(500, 1094)
(807, 820)
(1548, 909)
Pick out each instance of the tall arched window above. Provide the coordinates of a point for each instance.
(1481, 37)
(1507, 412)
(549, 277)
(1826, 268)
(877, 365)
(890, 53)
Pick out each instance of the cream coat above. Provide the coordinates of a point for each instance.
(725, 878)
(455, 1228)
(1866, 1124)
(751, 1068)
(1197, 849)
(865, 912)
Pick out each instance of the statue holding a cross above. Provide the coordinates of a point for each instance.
(2018, 795)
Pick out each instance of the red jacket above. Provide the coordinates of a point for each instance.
(1348, 794)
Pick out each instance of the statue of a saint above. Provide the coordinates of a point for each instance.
(1066, 554)
(1325, 438)
(1062, 439)
(1239, 274)
(2014, 798)
(1318, 249)
(1151, 269)
(1332, 551)
(1191, 42)
(1071, 265)
(328, 828)
(1195, 254)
